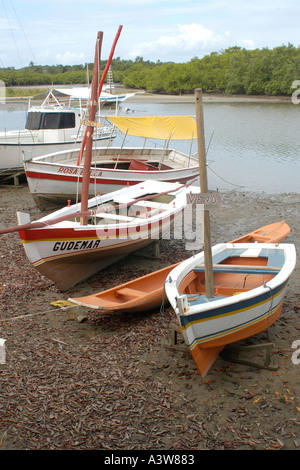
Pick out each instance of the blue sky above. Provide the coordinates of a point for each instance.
(64, 32)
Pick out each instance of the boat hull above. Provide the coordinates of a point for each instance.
(205, 349)
(245, 301)
(12, 154)
(140, 295)
(68, 252)
(48, 129)
(147, 292)
(55, 178)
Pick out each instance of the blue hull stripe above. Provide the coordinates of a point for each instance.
(218, 334)
(231, 309)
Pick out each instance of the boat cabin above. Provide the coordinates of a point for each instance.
(50, 119)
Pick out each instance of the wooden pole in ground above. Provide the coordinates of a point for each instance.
(209, 285)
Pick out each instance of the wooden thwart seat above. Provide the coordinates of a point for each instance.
(153, 204)
(129, 292)
(107, 215)
(237, 268)
(123, 200)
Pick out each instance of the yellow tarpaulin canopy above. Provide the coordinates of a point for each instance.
(157, 127)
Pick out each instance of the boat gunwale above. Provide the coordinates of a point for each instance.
(65, 230)
(108, 151)
(178, 274)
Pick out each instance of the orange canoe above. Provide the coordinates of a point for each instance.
(147, 292)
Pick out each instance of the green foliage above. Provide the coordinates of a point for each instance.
(22, 92)
(233, 71)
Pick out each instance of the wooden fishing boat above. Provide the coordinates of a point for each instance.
(70, 245)
(56, 177)
(50, 127)
(83, 93)
(66, 251)
(249, 284)
(147, 292)
(271, 233)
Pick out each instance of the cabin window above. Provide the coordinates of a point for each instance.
(67, 120)
(49, 121)
(36, 121)
(33, 121)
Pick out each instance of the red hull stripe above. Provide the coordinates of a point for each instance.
(63, 234)
(99, 179)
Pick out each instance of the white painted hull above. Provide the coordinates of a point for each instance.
(68, 252)
(213, 325)
(12, 154)
(248, 296)
(55, 179)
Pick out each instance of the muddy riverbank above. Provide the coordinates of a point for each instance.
(89, 382)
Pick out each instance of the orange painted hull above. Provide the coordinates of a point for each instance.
(140, 295)
(205, 356)
(147, 292)
(272, 233)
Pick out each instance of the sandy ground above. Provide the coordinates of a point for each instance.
(90, 383)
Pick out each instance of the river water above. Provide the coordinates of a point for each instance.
(250, 146)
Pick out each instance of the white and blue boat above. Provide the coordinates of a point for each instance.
(249, 286)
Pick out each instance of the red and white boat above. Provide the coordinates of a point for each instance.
(67, 251)
(76, 241)
(57, 177)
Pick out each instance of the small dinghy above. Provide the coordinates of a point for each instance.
(249, 284)
(147, 292)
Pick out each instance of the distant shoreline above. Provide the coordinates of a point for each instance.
(210, 98)
(184, 98)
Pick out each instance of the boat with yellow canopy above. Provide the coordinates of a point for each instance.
(57, 177)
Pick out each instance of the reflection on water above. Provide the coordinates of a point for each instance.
(252, 146)
(256, 146)
(13, 116)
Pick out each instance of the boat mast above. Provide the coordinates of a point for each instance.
(88, 136)
(90, 130)
(209, 284)
(101, 86)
